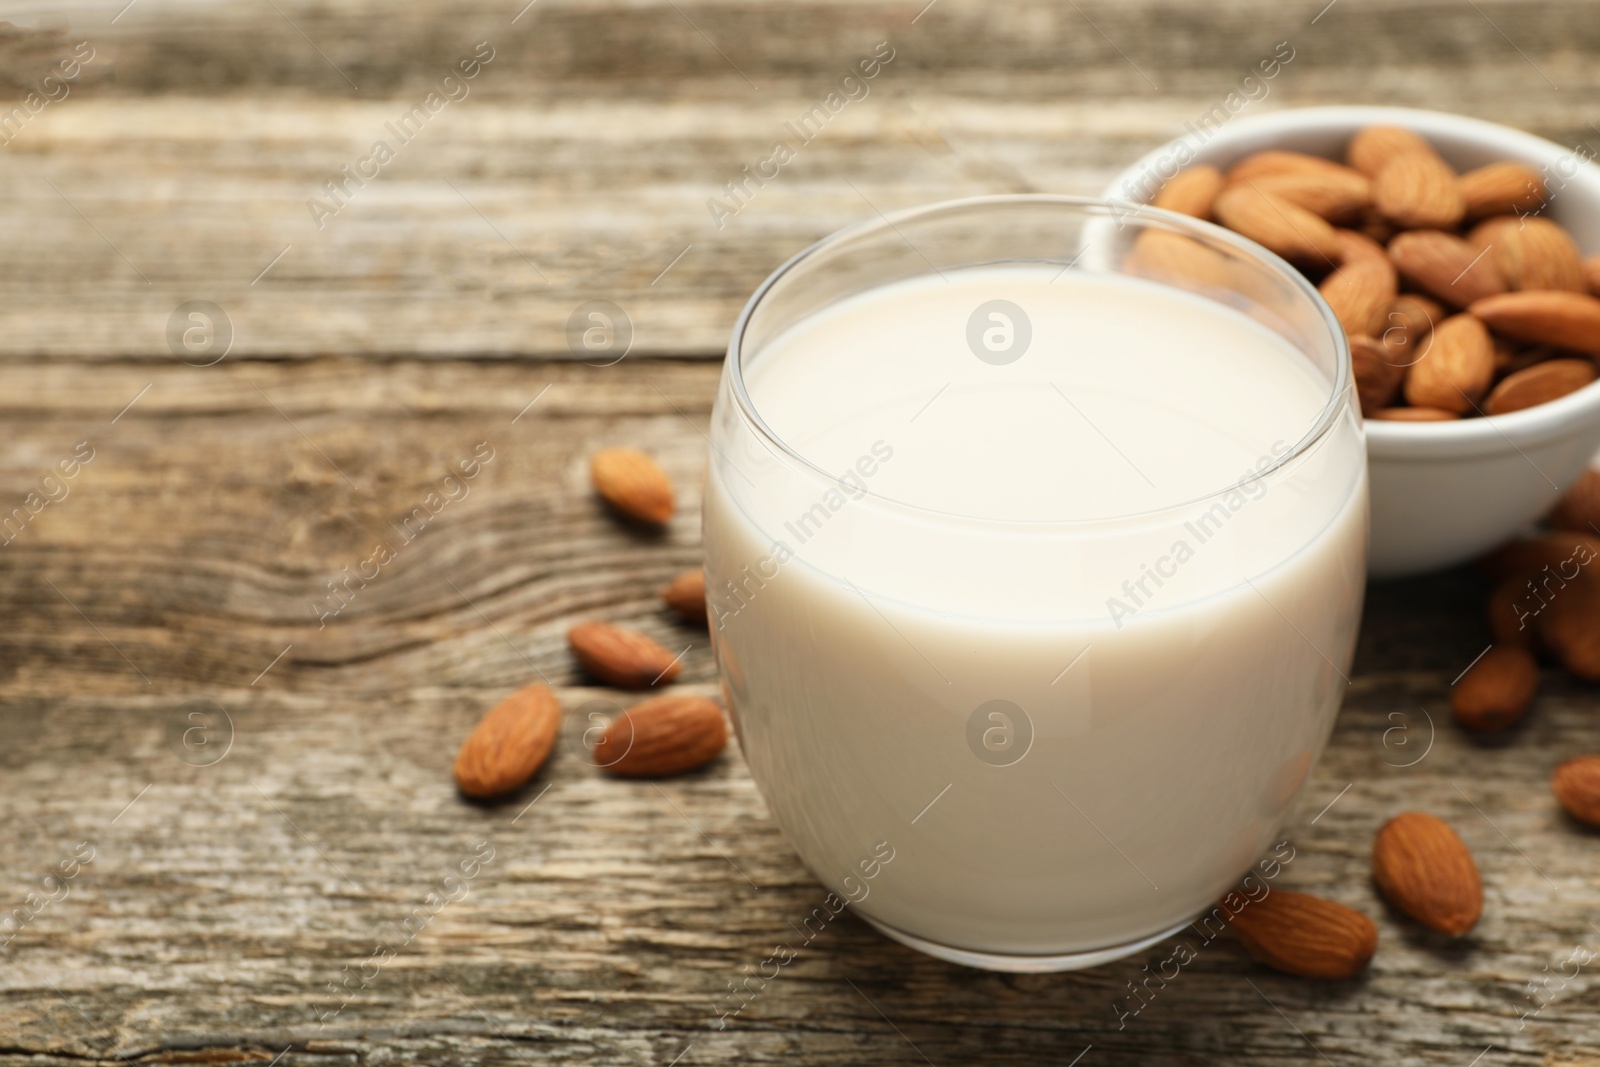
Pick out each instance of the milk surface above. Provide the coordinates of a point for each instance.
(1064, 628)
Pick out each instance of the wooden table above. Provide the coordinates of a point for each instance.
(267, 796)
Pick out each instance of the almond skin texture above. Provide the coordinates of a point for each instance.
(1417, 192)
(1375, 147)
(1496, 691)
(1300, 934)
(1338, 196)
(509, 744)
(1191, 191)
(1456, 370)
(1415, 415)
(631, 482)
(1569, 622)
(1377, 379)
(1423, 869)
(1539, 384)
(1445, 267)
(1501, 189)
(623, 658)
(663, 735)
(1531, 253)
(1277, 161)
(1576, 784)
(1360, 293)
(687, 595)
(1544, 317)
(1277, 225)
(1179, 260)
(1579, 507)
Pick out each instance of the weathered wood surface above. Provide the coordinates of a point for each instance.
(184, 564)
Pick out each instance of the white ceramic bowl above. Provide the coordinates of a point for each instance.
(1441, 492)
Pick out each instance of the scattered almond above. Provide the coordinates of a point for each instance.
(661, 736)
(1501, 189)
(1304, 935)
(1424, 869)
(1509, 620)
(510, 743)
(1497, 689)
(1457, 369)
(1531, 253)
(1277, 225)
(1444, 266)
(623, 658)
(1569, 623)
(633, 483)
(1191, 191)
(1579, 507)
(1539, 384)
(1531, 554)
(1576, 785)
(1417, 190)
(687, 595)
(1549, 317)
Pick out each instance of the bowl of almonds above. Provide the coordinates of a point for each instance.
(1463, 260)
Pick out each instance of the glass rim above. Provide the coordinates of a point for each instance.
(1338, 393)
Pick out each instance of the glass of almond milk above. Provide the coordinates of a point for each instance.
(1035, 538)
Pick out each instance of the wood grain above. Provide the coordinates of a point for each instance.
(182, 571)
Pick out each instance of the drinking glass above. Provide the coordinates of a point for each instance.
(1025, 730)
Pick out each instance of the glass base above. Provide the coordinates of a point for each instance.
(1021, 964)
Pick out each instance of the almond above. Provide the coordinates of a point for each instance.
(1591, 274)
(1532, 554)
(1501, 189)
(1456, 370)
(1423, 869)
(631, 482)
(1415, 415)
(1277, 161)
(1408, 324)
(1576, 784)
(1539, 384)
(1304, 935)
(1569, 621)
(1338, 196)
(1444, 266)
(1509, 620)
(1496, 690)
(1579, 507)
(1377, 379)
(687, 595)
(1191, 191)
(1531, 253)
(663, 735)
(1179, 260)
(1353, 245)
(1376, 147)
(1360, 291)
(1545, 316)
(1277, 225)
(623, 658)
(510, 743)
(1418, 192)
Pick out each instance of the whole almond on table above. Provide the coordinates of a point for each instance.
(1579, 507)
(1544, 317)
(1559, 548)
(1360, 292)
(1496, 690)
(623, 658)
(1277, 225)
(1375, 147)
(1191, 191)
(687, 595)
(1539, 384)
(509, 744)
(1501, 189)
(633, 483)
(1576, 785)
(1569, 623)
(1531, 253)
(1423, 869)
(1304, 935)
(1338, 196)
(1446, 267)
(663, 735)
(1415, 415)
(1457, 369)
(1417, 191)
(1510, 620)
(1377, 379)
(1278, 161)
